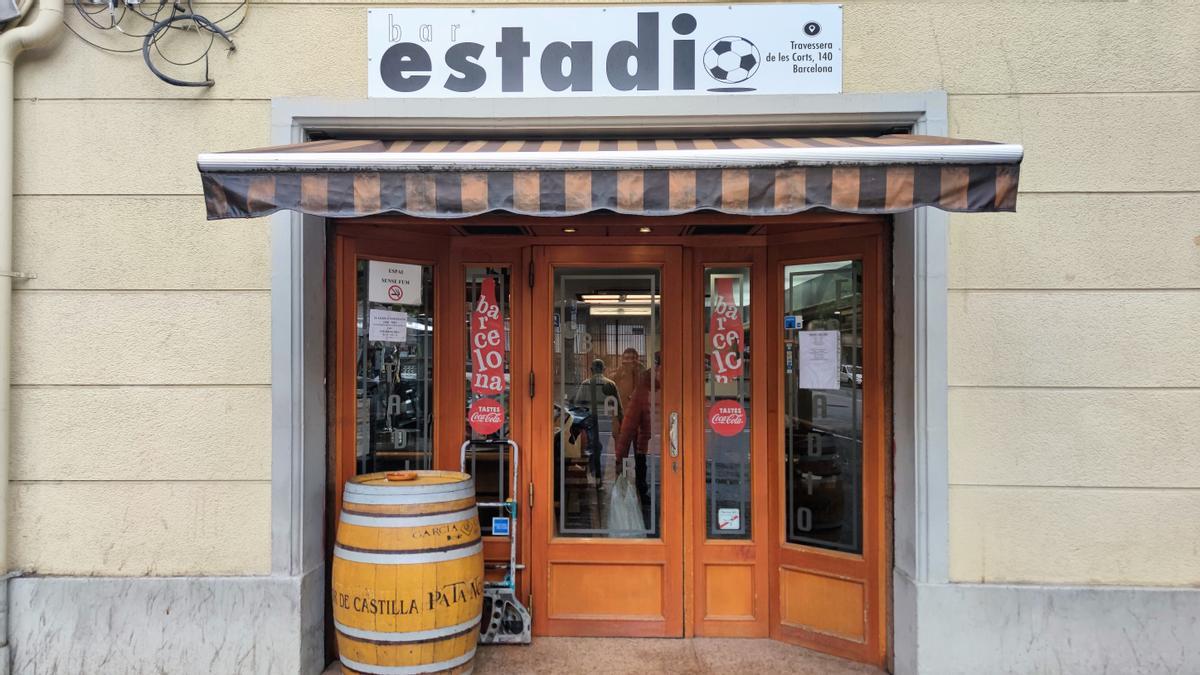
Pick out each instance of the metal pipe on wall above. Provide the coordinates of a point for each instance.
(45, 26)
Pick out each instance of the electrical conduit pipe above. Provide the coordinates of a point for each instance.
(45, 27)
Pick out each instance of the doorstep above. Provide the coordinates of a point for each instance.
(640, 656)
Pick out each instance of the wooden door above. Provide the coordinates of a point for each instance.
(726, 385)
(607, 365)
(499, 263)
(829, 462)
(388, 403)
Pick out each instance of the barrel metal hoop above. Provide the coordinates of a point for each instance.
(403, 488)
(409, 520)
(389, 638)
(382, 558)
(373, 669)
(395, 497)
(381, 514)
(392, 551)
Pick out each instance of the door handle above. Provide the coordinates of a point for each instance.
(673, 434)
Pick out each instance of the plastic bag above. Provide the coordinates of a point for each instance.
(624, 508)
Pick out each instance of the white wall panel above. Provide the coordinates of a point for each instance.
(1146, 438)
(142, 433)
(1075, 535)
(141, 337)
(141, 528)
(130, 242)
(1096, 240)
(1073, 338)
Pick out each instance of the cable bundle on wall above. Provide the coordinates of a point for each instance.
(167, 18)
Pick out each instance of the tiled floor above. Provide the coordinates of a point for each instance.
(610, 656)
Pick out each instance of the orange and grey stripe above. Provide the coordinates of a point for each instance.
(851, 189)
(884, 188)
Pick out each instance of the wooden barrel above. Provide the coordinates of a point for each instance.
(408, 574)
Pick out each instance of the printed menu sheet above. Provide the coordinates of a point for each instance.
(819, 356)
(388, 326)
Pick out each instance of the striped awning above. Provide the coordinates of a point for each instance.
(745, 176)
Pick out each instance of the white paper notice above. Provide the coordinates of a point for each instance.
(388, 326)
(729, 519)
(394, 283)
(819, 356)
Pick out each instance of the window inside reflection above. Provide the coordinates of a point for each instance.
(486, 307)
(823, 377)
(395, 379)
(727, 402)
(606, 410)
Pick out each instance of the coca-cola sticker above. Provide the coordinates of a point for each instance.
(727, 418)
(485, 416)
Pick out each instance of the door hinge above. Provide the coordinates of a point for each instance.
(530, 605)
(531, 384)
(531, 274)
(531, 496)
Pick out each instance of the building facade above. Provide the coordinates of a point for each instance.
(175, 465)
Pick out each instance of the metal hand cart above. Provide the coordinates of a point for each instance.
(505, 618)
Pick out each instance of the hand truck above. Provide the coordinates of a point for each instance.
(505, 618)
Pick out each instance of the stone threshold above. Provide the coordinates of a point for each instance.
(639, 656)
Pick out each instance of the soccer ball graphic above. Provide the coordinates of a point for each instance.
(731, 59)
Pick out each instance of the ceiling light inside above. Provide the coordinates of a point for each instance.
(618, 298)
(620, 311)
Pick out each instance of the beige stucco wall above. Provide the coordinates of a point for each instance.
(142, 413)
(1075, 443)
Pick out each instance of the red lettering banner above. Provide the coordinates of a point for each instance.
(726, 332)
(487, 342)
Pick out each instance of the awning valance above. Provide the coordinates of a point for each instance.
(746, 176)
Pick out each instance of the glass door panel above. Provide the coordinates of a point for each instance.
(487, 416)
(606, 414)
(823, 404)
(395, 374)
(727, 389)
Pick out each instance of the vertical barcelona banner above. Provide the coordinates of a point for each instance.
(487, 342)
(486, 415)
(726, 331)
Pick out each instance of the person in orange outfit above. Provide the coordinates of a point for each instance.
(627, 376)
(636, 429)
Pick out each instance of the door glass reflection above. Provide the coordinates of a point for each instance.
(727, 402)
(488, 386)
(395, 379)
(822, 361)
(606, 410)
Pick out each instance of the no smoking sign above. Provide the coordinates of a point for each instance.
(393, 283)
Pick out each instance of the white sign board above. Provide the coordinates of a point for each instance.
(729, 519)
(819, 356)
(387, 326)
(655, 50)
(394, 283)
